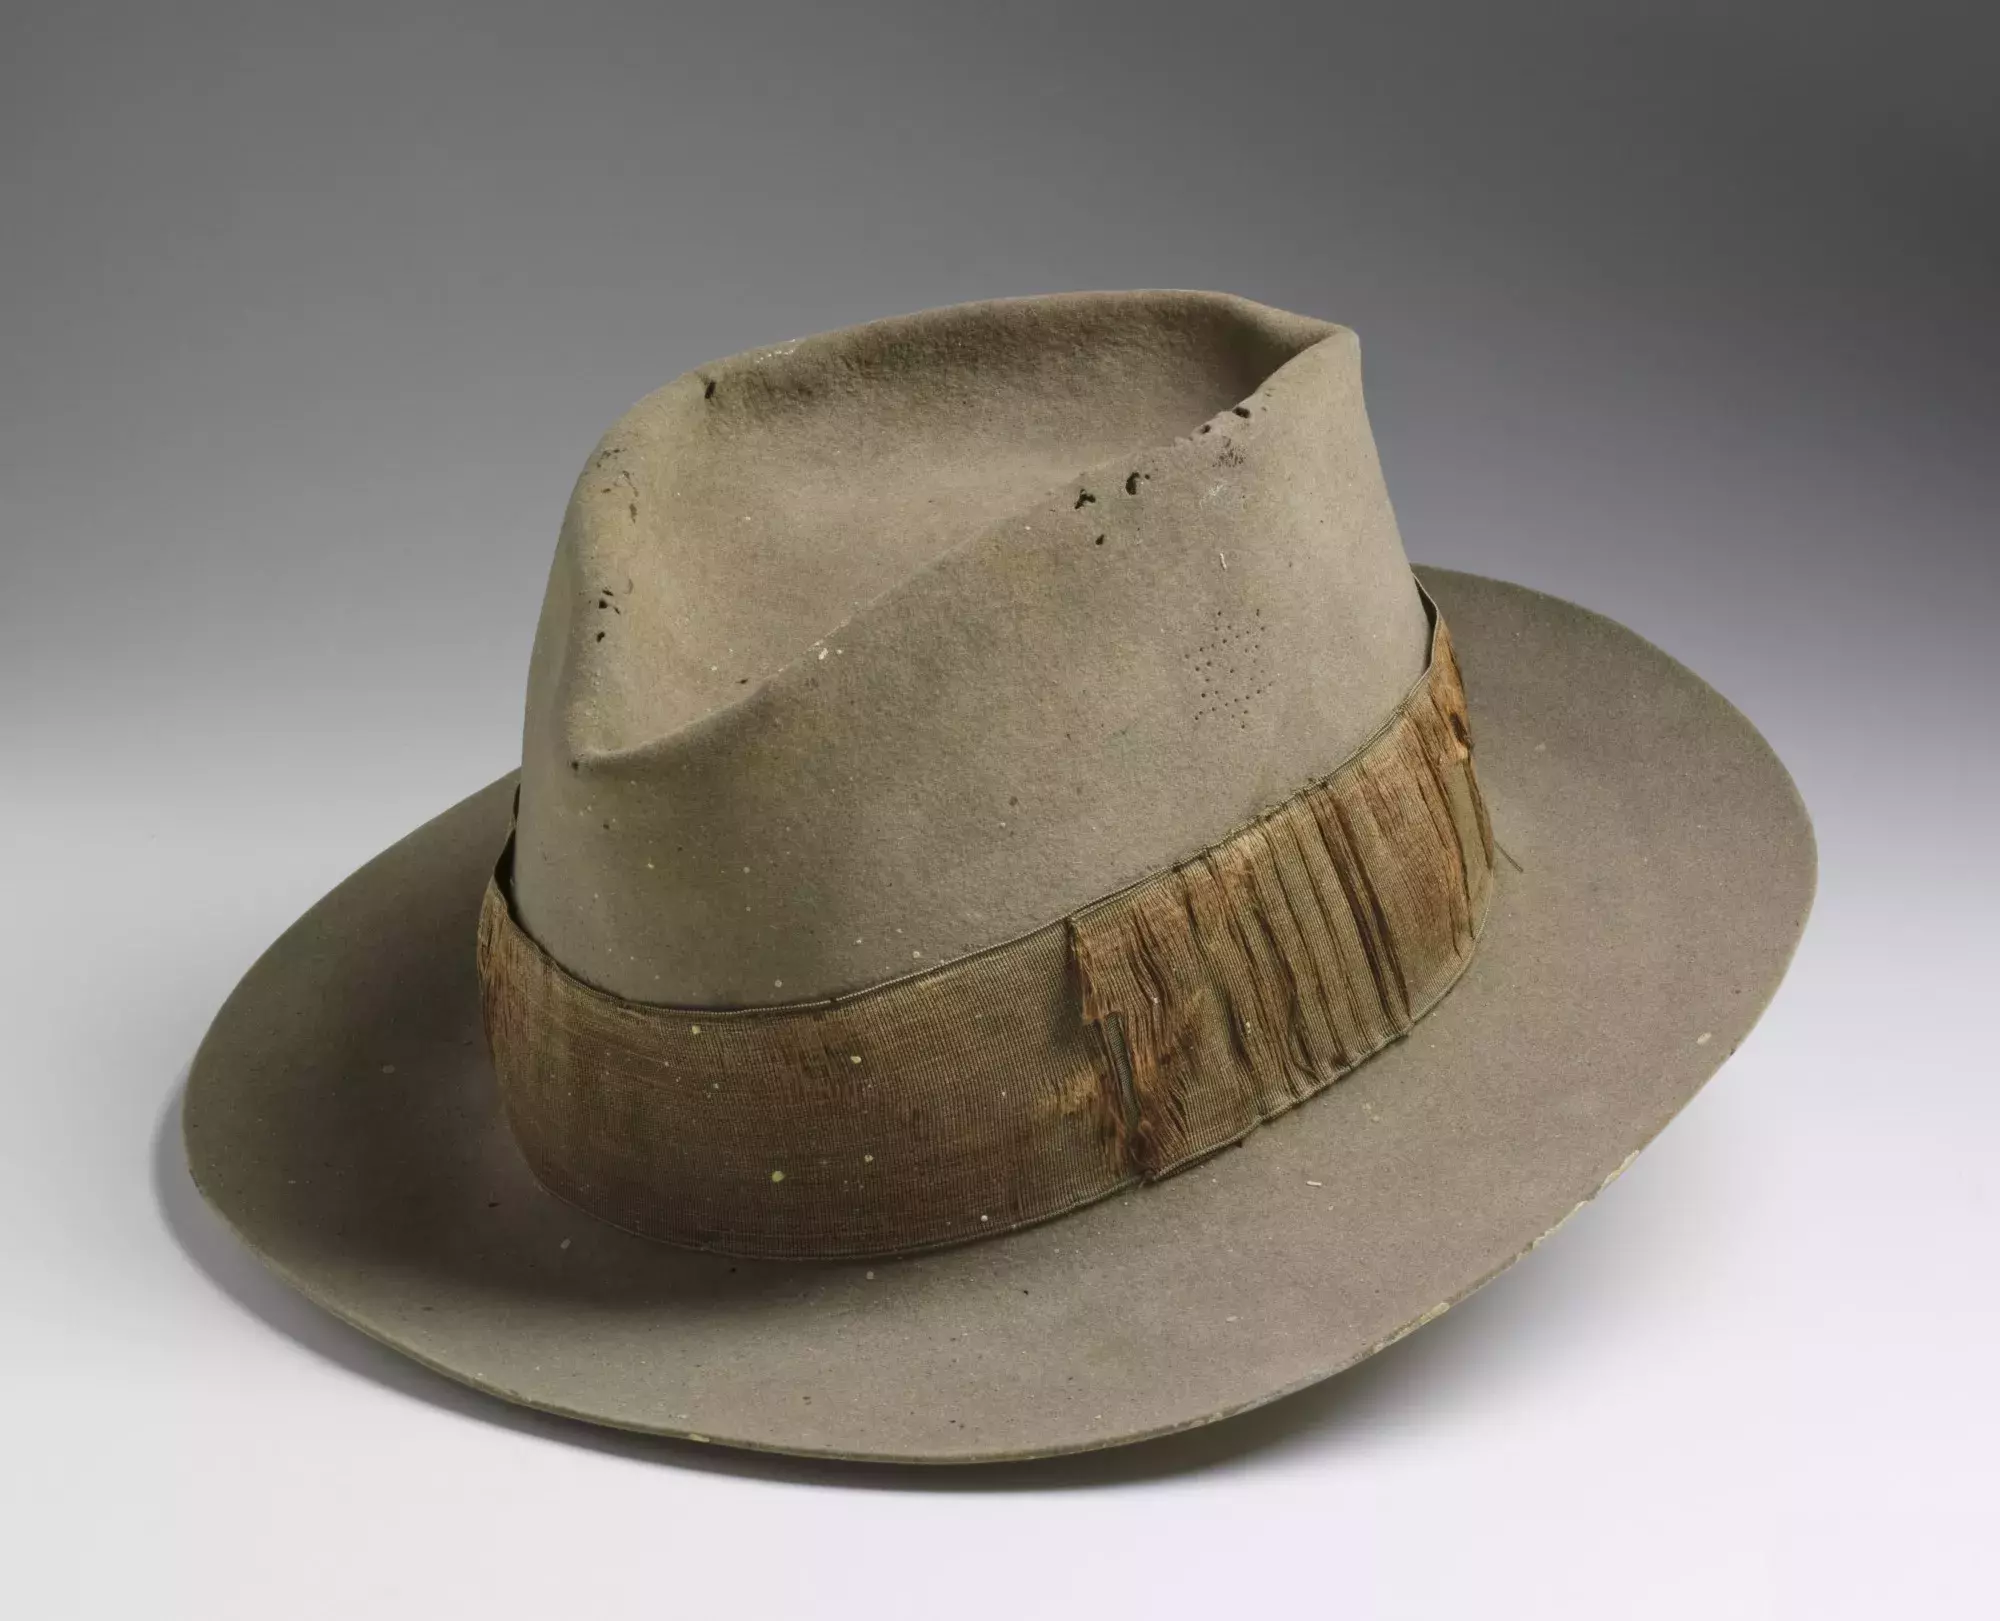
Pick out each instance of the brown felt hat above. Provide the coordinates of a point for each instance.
(1022, 925)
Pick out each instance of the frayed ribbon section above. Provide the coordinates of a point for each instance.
(1117, 1045)
(1229, 988)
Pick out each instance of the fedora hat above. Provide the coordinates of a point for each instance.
(1022, 923)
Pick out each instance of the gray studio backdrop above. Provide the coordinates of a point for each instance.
(309, 316)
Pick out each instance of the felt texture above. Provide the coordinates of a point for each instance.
(1657, 868)
(869, 651)
(1129, 1039)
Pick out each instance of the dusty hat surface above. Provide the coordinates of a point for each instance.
(1656, 868)
(1665, 869)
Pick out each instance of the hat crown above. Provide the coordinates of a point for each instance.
(867, 651)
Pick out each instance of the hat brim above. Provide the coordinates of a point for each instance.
(1657, 870)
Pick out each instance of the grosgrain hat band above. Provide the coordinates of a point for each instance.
(1114, 1046)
